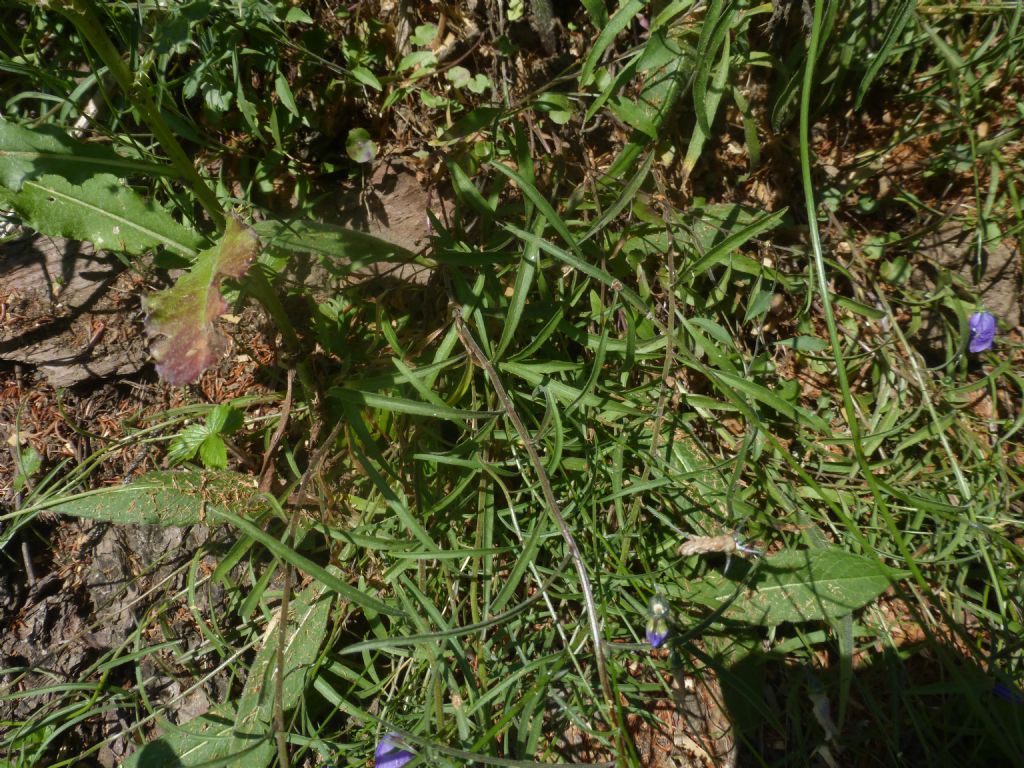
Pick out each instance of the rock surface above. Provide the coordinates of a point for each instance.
(68, 311)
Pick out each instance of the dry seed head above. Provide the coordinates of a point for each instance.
(701, 545)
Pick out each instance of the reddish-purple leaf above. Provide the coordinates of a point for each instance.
(180, 320)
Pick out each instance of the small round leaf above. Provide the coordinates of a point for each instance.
(360, 147)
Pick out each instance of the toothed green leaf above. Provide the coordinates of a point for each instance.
(31, 153)
(102, 211)
(180, 320)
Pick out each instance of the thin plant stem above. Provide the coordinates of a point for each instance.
(821, 280)
(478, 356)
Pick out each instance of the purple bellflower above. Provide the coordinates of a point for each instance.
(658, 611)
(390, 753)
(1008, 693)
(983, 330)
(657, 632)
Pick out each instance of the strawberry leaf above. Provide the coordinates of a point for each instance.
(184, 341)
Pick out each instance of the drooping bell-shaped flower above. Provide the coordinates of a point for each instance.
(390, 753)
(657, 620)
(982, 326)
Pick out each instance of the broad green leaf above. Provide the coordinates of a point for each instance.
(189, 498)
(284, 93)
(557, 106)
(30, 153)
(797, 585)
(214, 452)
(478, 119)
(597, 12)
(297, 16)
(636, 116)
(102, 211)
(180, 320)
(424, 34)
(308, 612)
(805, 344)
(29, 462)
(367, 78)
(166, 498)
(186, 443)
(204, 740)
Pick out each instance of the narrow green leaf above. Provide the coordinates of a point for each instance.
(609, 409)
(583, 266)
(304, 564)
(773, 401)
(898, 22)
(520, 291)
(401, 405)
(467, 191)
(535, 197)
(721, 252)
(713, 33)
(618, 22)
(709, 101)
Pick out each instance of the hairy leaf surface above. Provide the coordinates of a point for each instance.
(165, 498)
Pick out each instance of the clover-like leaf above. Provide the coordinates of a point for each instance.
(184, 341)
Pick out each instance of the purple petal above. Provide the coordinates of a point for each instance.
(390, 754)
(983, 331)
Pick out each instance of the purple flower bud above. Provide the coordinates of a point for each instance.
(390, 754)
(983, 331)
(657, 632)
(658, 611)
